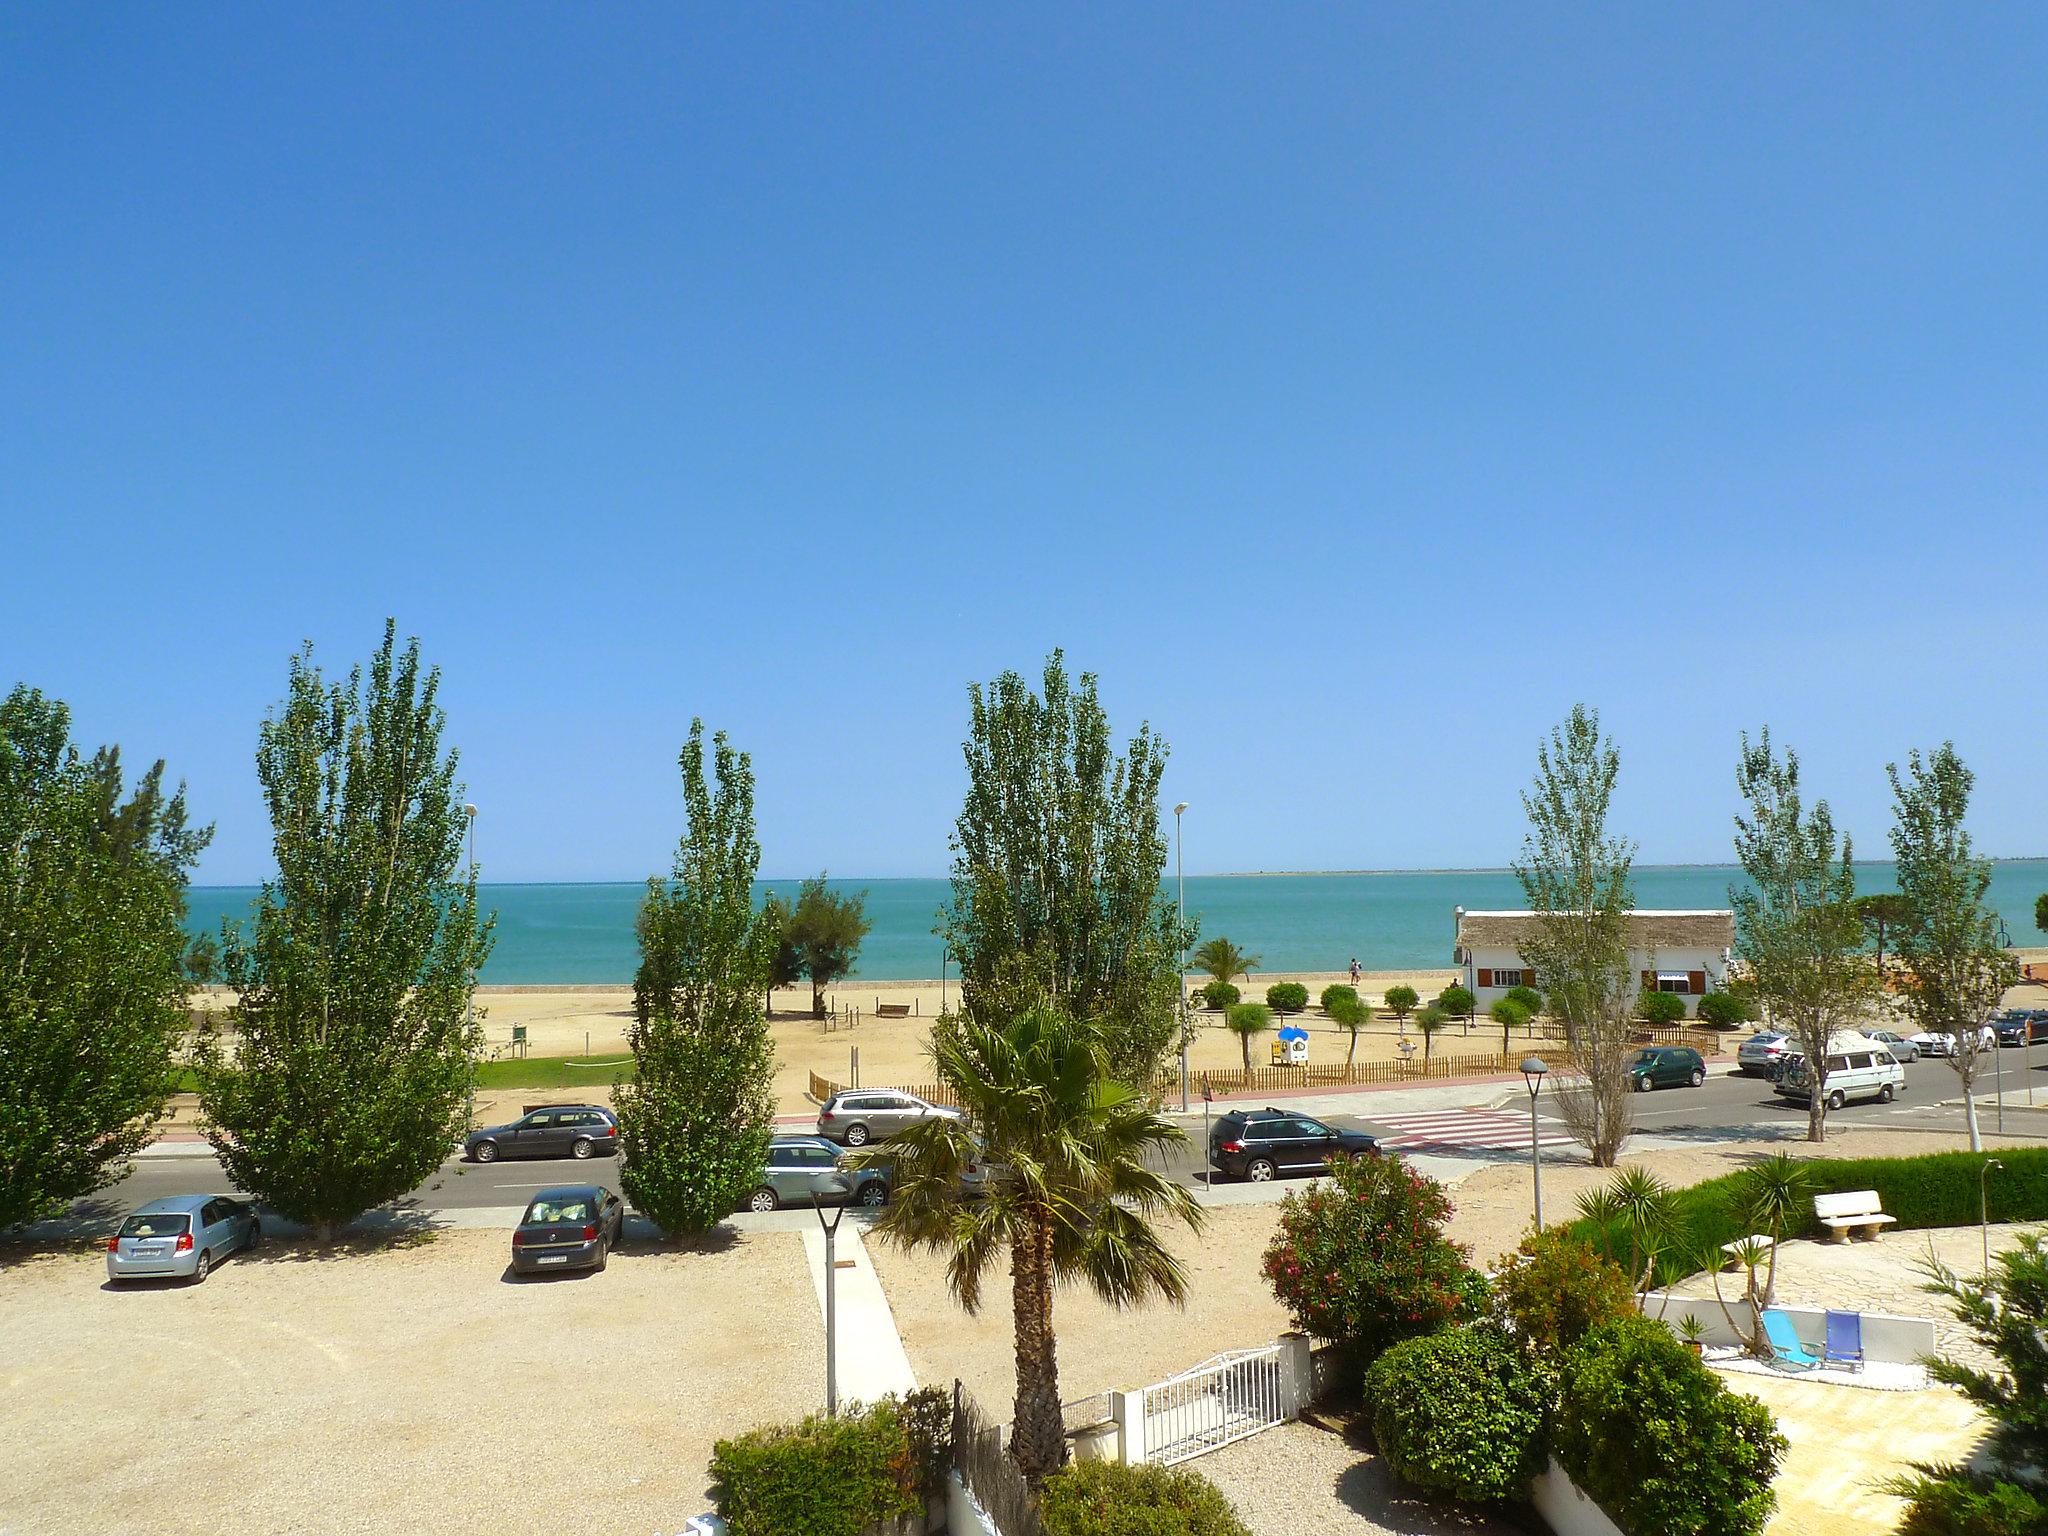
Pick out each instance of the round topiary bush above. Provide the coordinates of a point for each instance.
(1508, 1013)
(1460, 1412)
(1107, 1498)
(1287, 997)
(1661, 1007)
(1724, 1010)
(1457, 1002)
(1338, 992)
(1528, 997)
(1219, 994)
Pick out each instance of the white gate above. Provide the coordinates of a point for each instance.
(1225, 1398)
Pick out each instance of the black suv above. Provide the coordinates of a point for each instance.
(1258, 1144)
(2018, 1026)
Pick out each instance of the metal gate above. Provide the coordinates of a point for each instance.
(1224, 1399)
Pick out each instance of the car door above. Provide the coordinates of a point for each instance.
(217, 1221)
(893, 1113)
(1316, 1143)
(1298, 1143)
(528, 1136)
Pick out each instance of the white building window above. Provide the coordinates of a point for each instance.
(1674, 981)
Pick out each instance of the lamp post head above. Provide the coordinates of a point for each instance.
(1532, 1074)
(469, 811)
(1179, 808)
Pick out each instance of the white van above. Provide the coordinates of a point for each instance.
(1866, 1072)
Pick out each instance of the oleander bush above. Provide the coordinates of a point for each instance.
(1457, 1002)
(1218, 994)
(1107, 1498)
(1287, 997)
(829, 1477)
(1528, 997)
(1555, 1289)
(1657, 1441)
(1461, 1412)
(1338, 992)
(1724, 1010)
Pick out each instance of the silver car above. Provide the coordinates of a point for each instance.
(1898, 1045)
(858, 1116)
(181, 1238)
(1763, 1053)
(799, 1167)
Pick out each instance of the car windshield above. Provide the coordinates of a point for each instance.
(547, 1212)
(156, 1224)
(1646, 1058)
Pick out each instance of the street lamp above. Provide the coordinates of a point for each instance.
(831, 1231)
(1984, 1211)
(1180, 881)
(1532, 1074)
(469, 1012)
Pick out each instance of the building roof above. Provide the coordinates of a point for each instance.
(1648, 928)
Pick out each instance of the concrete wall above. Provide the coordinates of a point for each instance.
(1566, 1510)
(964, 1517)
(1901, 1340)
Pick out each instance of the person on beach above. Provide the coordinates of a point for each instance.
(1354, 970)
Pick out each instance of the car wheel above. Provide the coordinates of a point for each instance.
(1259, 1170)
(762, 1199)
(1699, 1075)
(874, 1193)
(1837, 1099)
(255, 1234)
(1884, 1094)
(582, 1149)
(856, 1135)
(203, 1268)
(486, 1152)
(1643, 1083)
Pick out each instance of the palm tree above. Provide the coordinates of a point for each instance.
(1071, 1194)
(1246, 1020)
(1225, 961)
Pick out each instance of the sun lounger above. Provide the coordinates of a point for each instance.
(1785, 1343)
(1844, 1344)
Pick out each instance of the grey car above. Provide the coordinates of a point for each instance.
(181, 1238)
(575, 1226)
(801, 1166)
(858, 1116)
(547, 1130)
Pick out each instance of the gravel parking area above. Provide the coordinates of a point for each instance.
(1301, 1477)
(396, 1388)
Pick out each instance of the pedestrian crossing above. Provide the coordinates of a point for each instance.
(1453, 1128)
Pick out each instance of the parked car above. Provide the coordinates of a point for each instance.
(1667, 1066)
(1941, 1043)
(1261, 1143)
(801, 1166)
(2019, 1026)
(575, 1226)
(858, 1116)
(1866, 1074)
(1898, 1045)
(549, 1130)
(1764, 1052)
(182, 1237)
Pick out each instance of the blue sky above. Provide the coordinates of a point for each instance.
(1353, 387)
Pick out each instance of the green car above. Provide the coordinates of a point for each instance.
(1667, 1066)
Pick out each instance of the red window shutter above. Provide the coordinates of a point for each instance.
(1486, 978)
(1528, 977)
(1696, 983)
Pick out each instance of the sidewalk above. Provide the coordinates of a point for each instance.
(871, 1360)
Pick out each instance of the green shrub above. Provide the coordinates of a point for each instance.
(823, 1477)
(1460, 1412)
(1528, 997)
(1937, 1189)
(1246, 1020)
(1457, 1002)
(1106, 1498)
(1336, 992)
(1724, 1010)
(1555, 1289)
(1287, 997)
(1401, 1000)
(1360, 1259)
(1508, 1013)
(1656, 1439)
(1219, 994)
(1661, 1007)
(1957, 1503)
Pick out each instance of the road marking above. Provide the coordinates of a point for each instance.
(543, 1184)
(1463, 1128)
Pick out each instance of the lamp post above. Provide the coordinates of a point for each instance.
(831, 1231)
(1532, 1074)
(1180, 902)
(469, 1011)
(1984, 1210)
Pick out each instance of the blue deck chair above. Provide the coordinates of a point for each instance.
(1785, 1343)
(1845, 1339)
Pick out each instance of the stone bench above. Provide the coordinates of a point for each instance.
(1851, 1212)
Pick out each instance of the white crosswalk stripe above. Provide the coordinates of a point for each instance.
(1464, 1128)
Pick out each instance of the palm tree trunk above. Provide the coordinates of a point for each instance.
(1038, 1434)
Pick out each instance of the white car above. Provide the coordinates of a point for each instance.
(1871, 1073)
(1763, 1052)
(1943, 1044)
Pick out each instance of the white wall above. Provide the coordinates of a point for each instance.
(1886, 1336)
(1566, 1510)
(964, 1517)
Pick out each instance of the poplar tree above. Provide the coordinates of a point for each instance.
(1798, 927)
(1958, 971)
(694, 1129)
(347, 1085)
(1576, 880)
(1057, 861)
(92, 976)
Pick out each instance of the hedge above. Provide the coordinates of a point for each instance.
(1107, 1498)
(1661, 1007)
(1938, 1189)
(835, 1477)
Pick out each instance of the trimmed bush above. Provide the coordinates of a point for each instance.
(1724, 1010)
(1337, 992)
(1246, 1020)
(1457, 1002)
(1460, 1412)
(1554, 1290)
(1967, 1505)
(1528, 997)
(1106, 1498)
(1656, 1439)
(1661, 1007)
(1401, 1000)
(1287, 997)
(823, 1477)
(1360, 1259)
(1218, 994)
(1508, 1013)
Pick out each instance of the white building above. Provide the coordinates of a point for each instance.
(1683, 952)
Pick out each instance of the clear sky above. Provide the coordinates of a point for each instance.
(1354, 387)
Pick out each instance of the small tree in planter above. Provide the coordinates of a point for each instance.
(1219, 994)
(1337, 991)
(1429, 1021)
(1246, 1020)
(1509, 1015)
(1528, 997)
(1401, 1002)
(1349, 1015)
(1287, 997)
(1457, 1003)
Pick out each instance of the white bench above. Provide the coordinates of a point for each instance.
(1852, 1211)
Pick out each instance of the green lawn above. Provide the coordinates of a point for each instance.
(553, 1072)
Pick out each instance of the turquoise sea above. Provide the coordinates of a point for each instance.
(1390, 921)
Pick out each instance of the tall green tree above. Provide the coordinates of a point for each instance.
(825, 929)
(1949, 947)
(785, 962)
(1797, 928)
(1080, 1190)
(694, 1129)
(1057, 859)
(1576, 879)
(92, 976)
(355, 1055)
(2041, 912)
